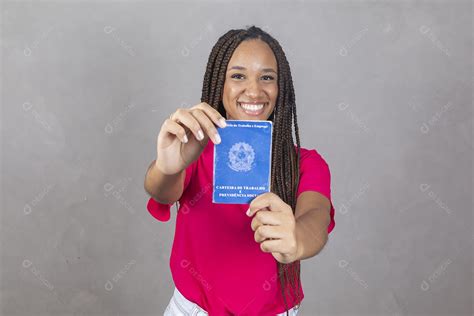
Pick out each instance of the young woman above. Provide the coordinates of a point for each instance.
(225, 260)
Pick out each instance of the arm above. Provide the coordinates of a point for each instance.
(165, 189)
(312, 220)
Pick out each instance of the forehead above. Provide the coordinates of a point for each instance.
(253, 54)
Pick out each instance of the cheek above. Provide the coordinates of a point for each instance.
(232, 92)
(273, 92)
(225, 90)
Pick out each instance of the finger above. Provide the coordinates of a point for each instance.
(271, 245)
(175, 129)
(188, 120)
(267, 232)
(212, 113)
(269, 200)
(263, 217)
(207, 125)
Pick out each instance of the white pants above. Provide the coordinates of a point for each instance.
(181, 306)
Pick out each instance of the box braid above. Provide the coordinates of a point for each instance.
(285, 159)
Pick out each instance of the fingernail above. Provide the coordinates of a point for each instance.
(218, 138)
(200, 135)
(222, 122)
(185, 139)
(248, 212)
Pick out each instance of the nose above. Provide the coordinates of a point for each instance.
(253, 89)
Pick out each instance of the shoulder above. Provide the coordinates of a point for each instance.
(314, 172)
(311, 157)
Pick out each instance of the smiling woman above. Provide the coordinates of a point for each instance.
(247, 78)
(251, 84)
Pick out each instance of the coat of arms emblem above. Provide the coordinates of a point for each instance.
(241, 156)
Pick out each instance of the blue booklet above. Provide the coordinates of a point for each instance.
(242, 161)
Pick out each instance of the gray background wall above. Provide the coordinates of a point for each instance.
(384, 93)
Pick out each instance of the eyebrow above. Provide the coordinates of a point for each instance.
(243, 68)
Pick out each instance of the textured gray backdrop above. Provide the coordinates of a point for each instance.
(384, 93)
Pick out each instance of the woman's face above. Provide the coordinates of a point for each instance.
(251, 86)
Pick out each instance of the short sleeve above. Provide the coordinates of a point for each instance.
(315, 176)
(161, 211)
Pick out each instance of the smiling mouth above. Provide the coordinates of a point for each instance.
(252, 109)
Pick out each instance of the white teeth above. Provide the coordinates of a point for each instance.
(251, 107)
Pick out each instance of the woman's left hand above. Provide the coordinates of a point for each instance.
(274, 225)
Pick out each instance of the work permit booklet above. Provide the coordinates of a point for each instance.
(242, 161)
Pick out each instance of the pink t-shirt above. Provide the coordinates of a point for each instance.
(215, 261)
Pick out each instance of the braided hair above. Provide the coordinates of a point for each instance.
(285, 159)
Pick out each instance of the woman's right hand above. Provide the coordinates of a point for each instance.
(184, 135)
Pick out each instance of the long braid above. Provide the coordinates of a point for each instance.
(207, 88)
(285, 159)
(217, 70)
(291, 183)
(222, 70)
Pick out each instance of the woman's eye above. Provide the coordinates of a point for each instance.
(240, 76)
